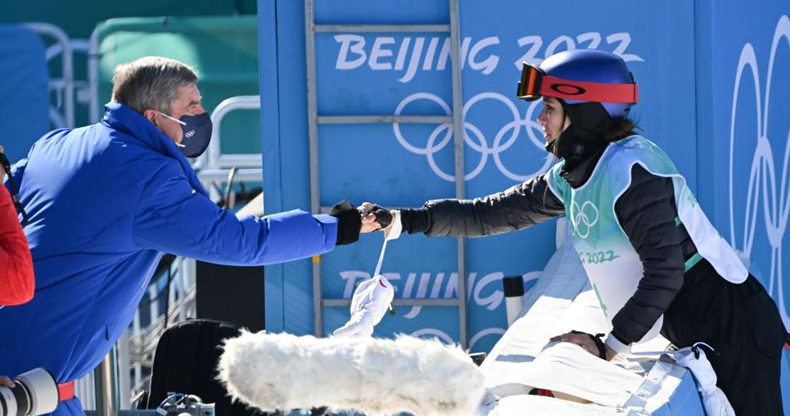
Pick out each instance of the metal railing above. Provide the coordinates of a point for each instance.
(93, 77)
(125, 371)
(213, 167)
(213, 158)
(64, 86)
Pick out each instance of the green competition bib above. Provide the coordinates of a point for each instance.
(611, 262)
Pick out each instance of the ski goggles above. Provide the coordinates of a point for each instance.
(535, 83)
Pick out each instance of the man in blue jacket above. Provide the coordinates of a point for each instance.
(105, 201)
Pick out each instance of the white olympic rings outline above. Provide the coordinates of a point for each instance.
(443, 336)
(578, 215)
(763, 174)
(481, 146)
(433, 333)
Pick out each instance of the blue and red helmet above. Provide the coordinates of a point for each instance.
(580, 76)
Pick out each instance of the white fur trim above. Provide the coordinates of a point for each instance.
(370, 376)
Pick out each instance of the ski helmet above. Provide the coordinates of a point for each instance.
(580, 76)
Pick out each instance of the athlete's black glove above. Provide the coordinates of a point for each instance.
(383, 215)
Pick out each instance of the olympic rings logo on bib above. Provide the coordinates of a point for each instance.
(584, 218)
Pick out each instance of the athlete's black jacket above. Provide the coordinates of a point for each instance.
(646, 211)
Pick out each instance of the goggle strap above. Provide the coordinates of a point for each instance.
(588, 91)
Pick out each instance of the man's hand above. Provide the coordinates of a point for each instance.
(5, 381)
(585, 341)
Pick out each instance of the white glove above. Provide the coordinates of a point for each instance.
(393, 231)
(487, 404)
(714, 400)
(370, 302)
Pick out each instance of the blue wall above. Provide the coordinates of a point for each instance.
(684, 55)
(743, 83)
(24, 94)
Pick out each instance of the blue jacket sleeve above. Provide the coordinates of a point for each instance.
(172, 217)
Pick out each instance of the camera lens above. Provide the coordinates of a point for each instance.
(34, 393)
(14, 401)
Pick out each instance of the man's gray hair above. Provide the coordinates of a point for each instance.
(150, 82)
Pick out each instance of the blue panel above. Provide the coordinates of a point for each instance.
(687, 95)
(409, 73)
(24, 93)
(372, 174)
(270, 149)
(712, 94)
(686, 401)
(391, 68)
(285, 150)
(381, 12)
(745, 131)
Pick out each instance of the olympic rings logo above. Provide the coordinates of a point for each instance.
(429, 333)
(584, 218)
(503, 140)
(762, 178)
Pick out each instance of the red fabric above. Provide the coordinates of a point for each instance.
(66, 391)
(16, 265)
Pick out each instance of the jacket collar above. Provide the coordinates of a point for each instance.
(121, 117)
